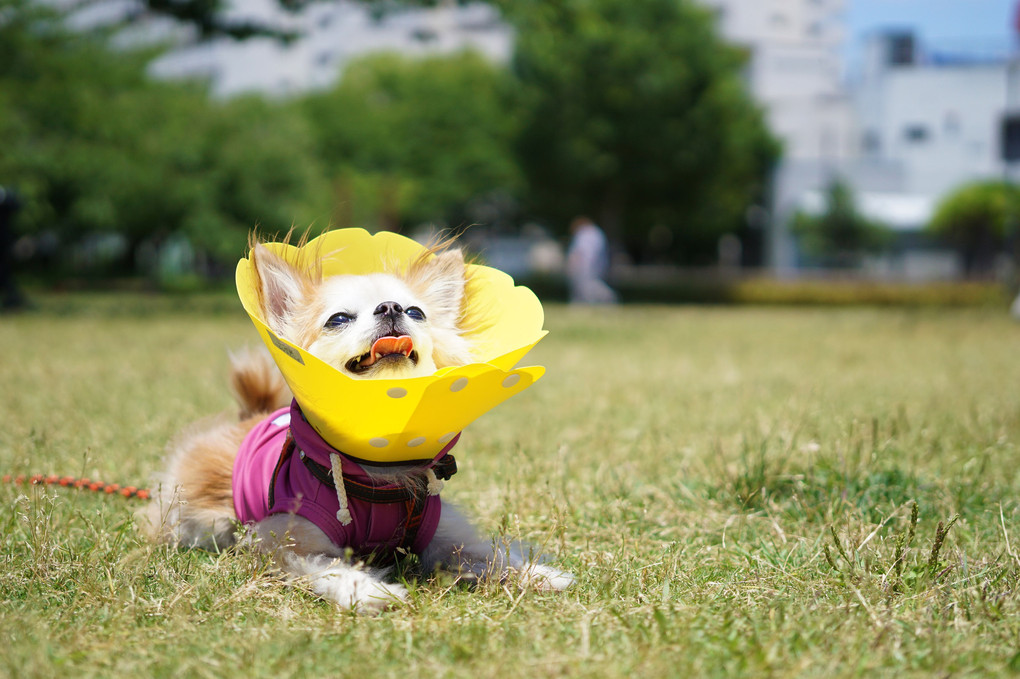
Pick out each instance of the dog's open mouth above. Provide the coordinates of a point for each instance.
(383, 350)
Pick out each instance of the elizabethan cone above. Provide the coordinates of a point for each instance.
(399, 420)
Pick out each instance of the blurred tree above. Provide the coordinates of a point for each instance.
(210, 18)
(636, 113)
(213, 18)
(95, 146)
(259, 169)
(70, 144)
(977, 219)
(419, 140)
(840, 235)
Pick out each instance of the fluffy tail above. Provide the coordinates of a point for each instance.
(257, 384)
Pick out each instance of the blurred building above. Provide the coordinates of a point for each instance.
(929, 119)
(795, 70)
(916, 123)
(937, 114)
(331, 34)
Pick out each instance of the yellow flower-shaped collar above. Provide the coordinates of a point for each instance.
(397, 420)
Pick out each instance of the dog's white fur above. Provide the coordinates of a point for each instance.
(194, 506)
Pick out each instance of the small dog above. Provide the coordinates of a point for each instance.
(406, 323)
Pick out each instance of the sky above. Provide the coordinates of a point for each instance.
(971, 24)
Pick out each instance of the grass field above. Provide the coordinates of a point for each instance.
(733, 488)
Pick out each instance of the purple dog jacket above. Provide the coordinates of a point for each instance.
(268, 479)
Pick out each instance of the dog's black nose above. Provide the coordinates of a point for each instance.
(388, 309)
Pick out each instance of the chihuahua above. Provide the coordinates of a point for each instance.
(406, 322)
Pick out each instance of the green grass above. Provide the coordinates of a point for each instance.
(732, 487)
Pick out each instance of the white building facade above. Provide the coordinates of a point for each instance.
(938, 115)
(795, 70)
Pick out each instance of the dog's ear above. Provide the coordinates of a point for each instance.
(441, 281)
(281, 288)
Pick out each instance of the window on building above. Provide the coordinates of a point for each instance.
(871, 142)
(951, 123)
(901, 49)
(828, 143)
(424, 35)
(916, 133)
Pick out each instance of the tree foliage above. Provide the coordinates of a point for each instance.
(211, 19)
(95, 146)
(416, 140)
(840, 234)
(977, 219)
(637, 113)
(633, 112)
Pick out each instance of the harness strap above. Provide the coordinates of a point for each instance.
(445, 468)
(288, 450)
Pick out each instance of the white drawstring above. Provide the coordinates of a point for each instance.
(435, 485)
(343, 515)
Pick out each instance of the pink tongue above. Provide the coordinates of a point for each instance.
(384, 346)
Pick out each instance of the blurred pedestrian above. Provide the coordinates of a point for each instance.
(588, 264)
(9, 206)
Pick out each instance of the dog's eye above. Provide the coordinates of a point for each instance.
(339, 320)
(414, 313)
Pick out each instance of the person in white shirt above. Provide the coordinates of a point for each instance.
(588, 264)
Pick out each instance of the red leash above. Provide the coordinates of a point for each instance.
(72, 482)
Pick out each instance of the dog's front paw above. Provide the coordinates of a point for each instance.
(357, 590)
(348, 586)
(544, 578)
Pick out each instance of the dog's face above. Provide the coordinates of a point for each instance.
(380, 325)
(373, 326)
